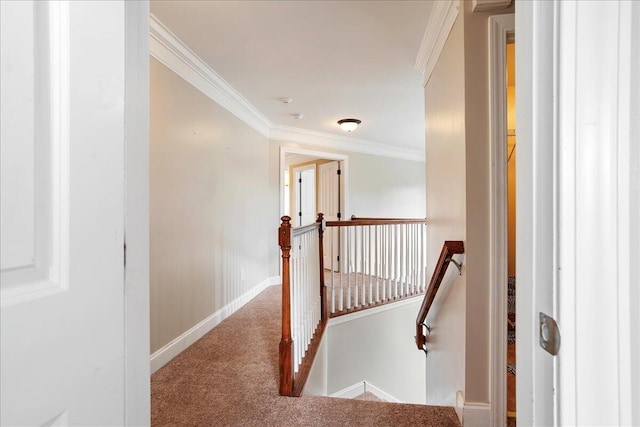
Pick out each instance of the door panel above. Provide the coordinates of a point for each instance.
(329, 205)
(62, 227)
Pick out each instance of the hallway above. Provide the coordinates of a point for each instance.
(229, 377)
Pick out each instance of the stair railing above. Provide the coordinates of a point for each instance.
(331, 268)
(304, 315)
(450, 248)
(373, 261)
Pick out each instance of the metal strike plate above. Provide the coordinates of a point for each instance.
(549, 334)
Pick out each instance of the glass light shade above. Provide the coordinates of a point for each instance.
(349, 125)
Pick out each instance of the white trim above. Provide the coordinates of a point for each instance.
(136, 221)
(343, 143)
(168, 49)
(459, 405)
(350, 392)
(484, 5)
(476, 414)
(441, 20)
(499, 27)
(179, 344)
(378, 392)
(371, 311)
(362, 387)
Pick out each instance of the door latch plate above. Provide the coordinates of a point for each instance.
(549, 334)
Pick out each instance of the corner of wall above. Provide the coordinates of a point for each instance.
(179, 344)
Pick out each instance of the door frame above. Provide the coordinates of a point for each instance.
(535, 207)
(500, 29)
(137, 399)
(284, 151)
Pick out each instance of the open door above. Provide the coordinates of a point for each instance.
(329, 205)
(305, 195)
(62, 213)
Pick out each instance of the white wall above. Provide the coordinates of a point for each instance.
(377, 348)
(478, 198)
(209, 186)
(446, 210)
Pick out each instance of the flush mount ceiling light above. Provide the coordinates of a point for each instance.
(349, 125)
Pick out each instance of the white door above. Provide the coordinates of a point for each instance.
(579, 211)
(598, 122)
(62, 209)
(329, 195)
(305, 195)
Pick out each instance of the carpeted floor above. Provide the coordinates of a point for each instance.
(230, 378)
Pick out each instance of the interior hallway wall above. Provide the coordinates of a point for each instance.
(446, 211)
(478, 200)
(209, 188)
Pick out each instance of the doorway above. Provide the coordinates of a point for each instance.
(503, 221)
(511, 232)
(331, 183)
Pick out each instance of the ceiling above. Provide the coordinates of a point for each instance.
(336, 59)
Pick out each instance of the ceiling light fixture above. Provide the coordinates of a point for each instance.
(349, 125)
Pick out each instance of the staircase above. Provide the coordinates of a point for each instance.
(333, 268)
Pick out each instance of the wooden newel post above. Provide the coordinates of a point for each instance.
(286, 344)
(323, 292)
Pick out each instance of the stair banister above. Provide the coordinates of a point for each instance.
(450, 248)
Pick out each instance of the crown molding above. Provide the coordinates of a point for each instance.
(168, 49)
(343, 143)
(441, 20)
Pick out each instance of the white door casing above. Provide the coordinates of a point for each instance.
(62, 294)
(535, 208)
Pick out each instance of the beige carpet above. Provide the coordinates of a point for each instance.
(230, 378)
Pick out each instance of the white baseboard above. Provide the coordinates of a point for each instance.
(361, 387)
(459, 407)
(379, 392)
(350, 392)
(476, 414)
(179, 344)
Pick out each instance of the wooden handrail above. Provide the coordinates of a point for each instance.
(450, 248)
(375, 221)
(398, 220)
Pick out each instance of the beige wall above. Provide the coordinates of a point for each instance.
(379, 349)
(476, 59)
(458, 202)
(446, 211)
(209, 186)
